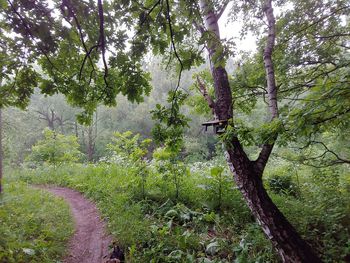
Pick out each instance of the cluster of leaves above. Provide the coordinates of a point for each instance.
(170, 122)
(134, 151)
(55, 149)
(67, 46)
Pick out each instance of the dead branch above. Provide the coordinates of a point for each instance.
(206, 95)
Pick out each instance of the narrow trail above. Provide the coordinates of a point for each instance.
(90, 241)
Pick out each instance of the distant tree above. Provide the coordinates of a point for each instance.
(55, 149)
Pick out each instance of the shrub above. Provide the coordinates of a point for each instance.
(55, 149)
(283, 185)
(131, 148)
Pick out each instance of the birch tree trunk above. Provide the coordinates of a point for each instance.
(248, 174)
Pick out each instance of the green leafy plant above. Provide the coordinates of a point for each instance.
(220, 184)
(134, 150)
(171, 168)
(55, 149)
(283, 184)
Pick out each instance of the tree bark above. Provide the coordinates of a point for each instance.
(271, 81)
(283, 236)
(247, 174)
(91, 144)
(223, 95)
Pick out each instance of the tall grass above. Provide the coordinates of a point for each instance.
(194, 228)
(34, 225)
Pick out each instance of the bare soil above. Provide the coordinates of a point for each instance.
(90, 241)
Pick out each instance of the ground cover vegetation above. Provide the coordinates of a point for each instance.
(35, 226)
(280, 116)
(199, 217)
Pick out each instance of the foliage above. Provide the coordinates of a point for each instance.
(55, 149)
(197, 149)
(311, 64)
(35, 226)
(171, 170)
(283, 185)
(219, 179)
(134, 151)
(170, 125)
(195, 227)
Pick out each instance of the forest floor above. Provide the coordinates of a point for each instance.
(90, 242)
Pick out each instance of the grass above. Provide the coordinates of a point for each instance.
(159, 228)
(34, 225)
(193, 228)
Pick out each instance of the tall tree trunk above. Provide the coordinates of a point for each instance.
(1, 152)
(91, 144)
(76, 129)
(223, 95)
(248, 174)
(285, 239)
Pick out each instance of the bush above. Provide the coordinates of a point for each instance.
(55, 149)
(283, 185)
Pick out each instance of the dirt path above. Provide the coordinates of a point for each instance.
(90, 241)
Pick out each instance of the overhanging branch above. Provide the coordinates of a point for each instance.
(81, 35)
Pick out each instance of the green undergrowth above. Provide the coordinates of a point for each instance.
(34, 225)
(154, 226)
(160, 228)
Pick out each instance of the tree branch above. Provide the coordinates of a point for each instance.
(222, 10)
(175, 52)
(173, 43)
(315, 22)
(206, 96)
(323, 165)
(102, 40)
(25, 24)
(81, 35)
(332, 152)
(331, 118)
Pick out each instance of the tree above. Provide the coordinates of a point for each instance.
(55, 149)
(130, 147)
(301, 58)
(17, 79)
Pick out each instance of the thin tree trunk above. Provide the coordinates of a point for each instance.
(90, 146)
(247, 174)
(76, 129)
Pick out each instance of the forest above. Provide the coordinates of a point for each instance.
(174, 131)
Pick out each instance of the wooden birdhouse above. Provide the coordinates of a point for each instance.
(219, 126)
